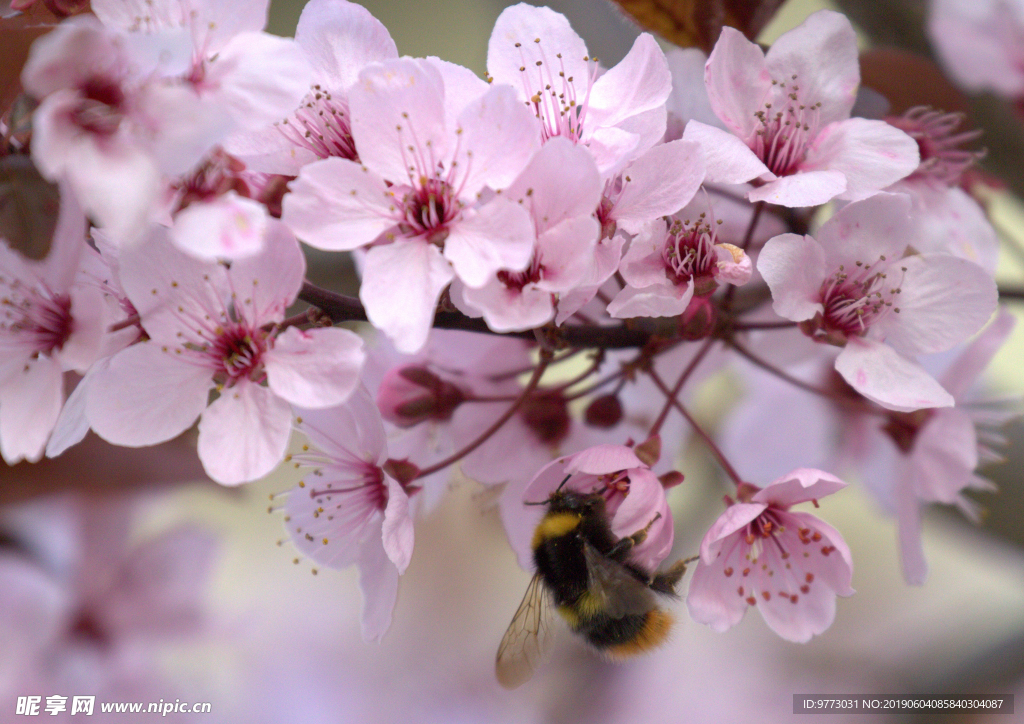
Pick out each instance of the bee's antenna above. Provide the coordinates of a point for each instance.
(545, 502)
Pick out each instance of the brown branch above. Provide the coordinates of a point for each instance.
(341, 308)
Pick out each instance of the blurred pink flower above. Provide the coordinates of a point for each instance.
(759, 553)
(349, 510)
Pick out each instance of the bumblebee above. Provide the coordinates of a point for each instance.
(583, 570)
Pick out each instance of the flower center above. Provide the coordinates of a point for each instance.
(559, 101)
(853, 300)
(100, 109)
(689, 253)
(785, 130)
(530, 275)
(321, 125)
(428, 209)
(214, 177)
(362, 479)
(36, 321)
(942, 159)
(239, 352)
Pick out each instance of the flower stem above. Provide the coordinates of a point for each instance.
(715, 450)
(705, 348)
(538, 372)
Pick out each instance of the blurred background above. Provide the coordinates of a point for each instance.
(277, 641)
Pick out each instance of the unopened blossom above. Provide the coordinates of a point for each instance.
(349, 509)
(616, 115)
(339, 39)
(50, 322)
(852, 286)
(788, 564)
(561, 189)
(634, 497)
(673, 261)
(980, 44)
(429, 148)
(211, 327)
(788, 115)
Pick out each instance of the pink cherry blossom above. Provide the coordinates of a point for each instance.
(617, 114)
(788, 115)
(672, 262)
(349, 509)
(212, 327)
(53, 321)
(339, 39)
(430, 145)
(790, 565)
(243, 77)
(853, 287)
(211, 213)
(561, 189)
(980, 44)
(107, 125)
(633, 494)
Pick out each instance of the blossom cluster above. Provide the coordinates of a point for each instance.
(643, 227)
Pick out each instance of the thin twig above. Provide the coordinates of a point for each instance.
(715, 450)
(538, 372)
(705, 348)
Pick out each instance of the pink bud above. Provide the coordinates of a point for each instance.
(413, 394)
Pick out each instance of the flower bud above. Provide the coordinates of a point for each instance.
(413, 394)
(547, 416)
(604, 412)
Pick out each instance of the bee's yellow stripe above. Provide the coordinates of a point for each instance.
(553, 526)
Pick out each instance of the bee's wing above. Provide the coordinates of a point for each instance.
(618, 590)
(528, 638)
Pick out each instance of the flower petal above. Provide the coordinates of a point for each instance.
(944, 300)
(315, 368)
(882, 375)
(146, 396)
(378, 580)
(737, 80)
(402, 282)
(244, 433)
(265, 285)
(659, 183)
(727, 158)
(871, 154)
(498, 235)
(799, 486)
(805, 188)
(339, 39)
(30, 402)
(794, 268)
(337, 205)
(397, 530)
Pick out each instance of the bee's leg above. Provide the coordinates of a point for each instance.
(624, 545)
(666, 581)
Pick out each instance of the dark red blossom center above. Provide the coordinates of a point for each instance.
(853, 300)
(240, 351)
(428, 209)
(41, 322)
(321, 125)
(689, 254)
(100, 109)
